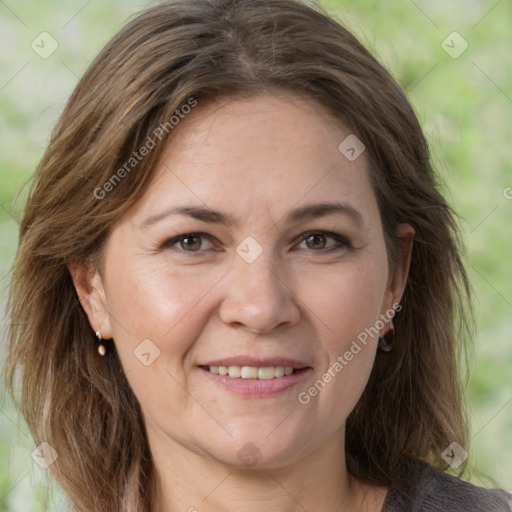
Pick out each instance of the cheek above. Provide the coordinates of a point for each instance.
(157, 315)
(148, 300)
(345, 311)
(346, 300)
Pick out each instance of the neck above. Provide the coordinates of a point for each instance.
(189, 481)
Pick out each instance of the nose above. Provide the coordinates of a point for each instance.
(258, 298)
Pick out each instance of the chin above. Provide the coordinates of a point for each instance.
(263, 447)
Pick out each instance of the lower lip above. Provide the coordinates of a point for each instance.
(257, 387)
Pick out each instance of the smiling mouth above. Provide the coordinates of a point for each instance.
(253, 372)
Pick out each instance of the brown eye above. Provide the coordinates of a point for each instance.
(316, 241)
(191, 243)
(323, 241)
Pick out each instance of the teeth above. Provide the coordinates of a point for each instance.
(234, 371)
(266, 373)
(252, 372)
(249, 372)
(279, 371)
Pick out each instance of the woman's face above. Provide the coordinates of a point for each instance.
(258, 244)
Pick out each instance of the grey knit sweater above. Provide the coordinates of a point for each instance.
(420, 488)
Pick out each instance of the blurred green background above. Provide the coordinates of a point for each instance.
(463, 102)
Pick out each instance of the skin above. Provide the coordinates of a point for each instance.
(255, 160)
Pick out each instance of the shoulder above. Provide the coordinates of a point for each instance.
(421, 488)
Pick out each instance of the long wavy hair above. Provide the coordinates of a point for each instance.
(82, 404)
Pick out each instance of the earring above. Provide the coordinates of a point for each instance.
(385, 343)
(101, 348)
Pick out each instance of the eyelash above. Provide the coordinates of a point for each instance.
(342, 242)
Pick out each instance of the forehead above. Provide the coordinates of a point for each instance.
(266, 153)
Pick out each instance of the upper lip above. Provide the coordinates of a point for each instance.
(256, 361)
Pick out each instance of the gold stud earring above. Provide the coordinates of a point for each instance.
(101, 348)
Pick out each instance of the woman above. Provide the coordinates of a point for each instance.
(236, 282)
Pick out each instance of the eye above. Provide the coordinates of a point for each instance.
(322, 241)
(190, 242)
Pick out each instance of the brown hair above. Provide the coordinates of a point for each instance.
(200, 49)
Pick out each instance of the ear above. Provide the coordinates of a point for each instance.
(91, 293)
(398, 279)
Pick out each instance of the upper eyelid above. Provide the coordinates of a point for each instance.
(175, 239)
(340, 239)
(327, 233)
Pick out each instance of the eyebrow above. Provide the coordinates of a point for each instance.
(321, 210)
(295, 216)
(199, 213)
